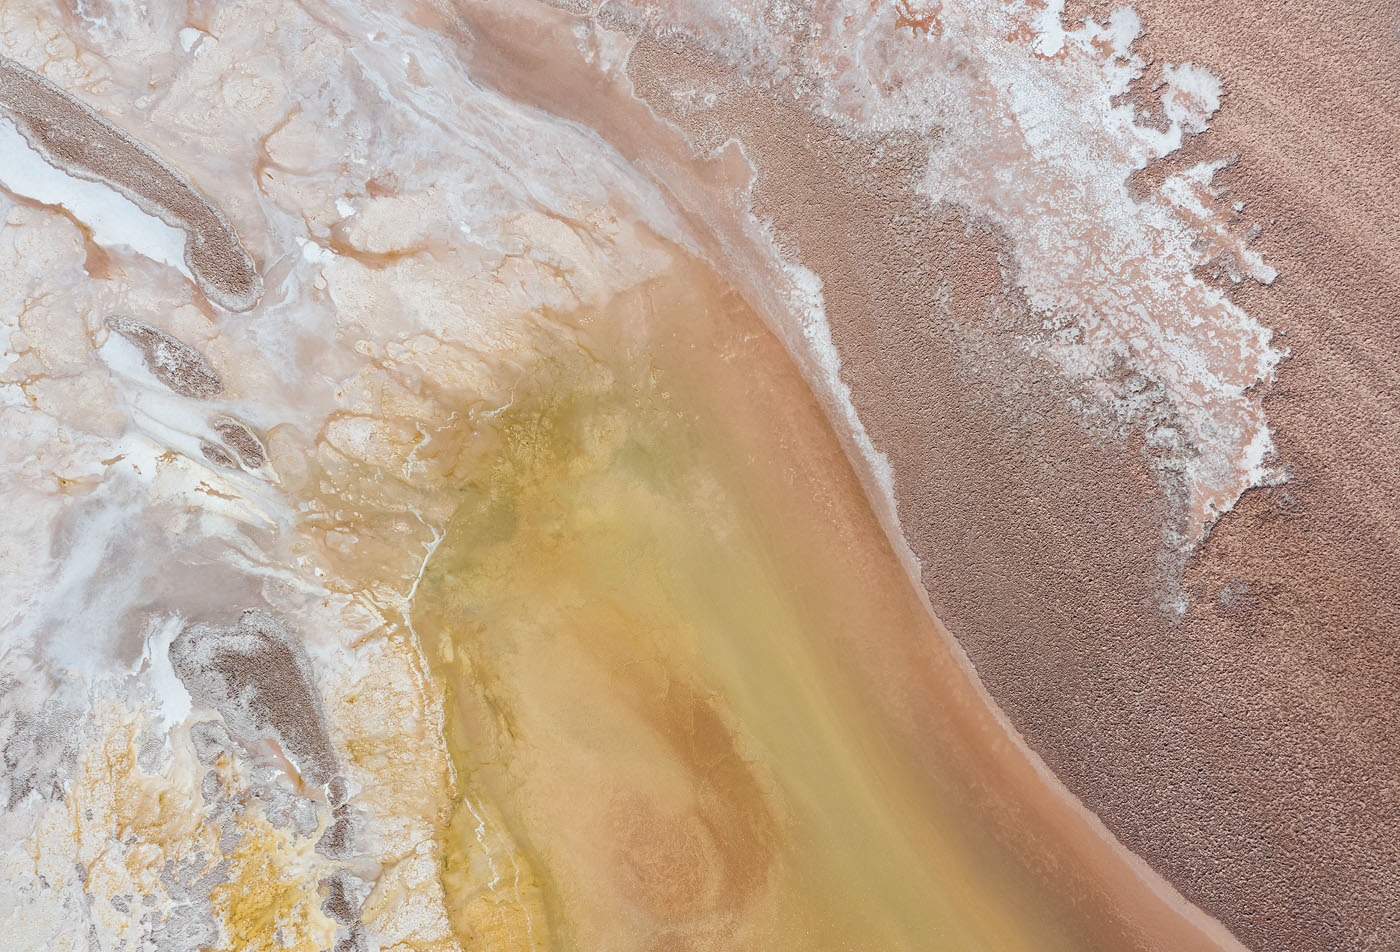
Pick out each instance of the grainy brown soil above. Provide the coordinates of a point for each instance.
(174, 363)
(1250, 752)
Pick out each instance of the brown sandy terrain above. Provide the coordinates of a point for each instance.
(1247, 751)
(1291, 642)
(170, 360)
(75, 138)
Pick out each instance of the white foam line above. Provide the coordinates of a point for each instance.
(529, 922)
(432, 547)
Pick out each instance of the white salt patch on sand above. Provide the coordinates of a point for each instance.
(157, 673)
(1050, 32)
(1187, 190)
(115, 221)
(312, 252)
(1026, 130)
(1192, 96)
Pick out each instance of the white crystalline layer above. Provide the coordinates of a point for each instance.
(1049, 30)
(115, 221)
(1192, 96)
(1026, 131)
(40, 921)
(1120, 270)
(189, 36)
(1189, 190)
(172, 700)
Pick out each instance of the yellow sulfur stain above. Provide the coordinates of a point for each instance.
(160, 817)
(129, 829)
(271, 903)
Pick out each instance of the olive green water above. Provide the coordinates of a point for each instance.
(639, 616)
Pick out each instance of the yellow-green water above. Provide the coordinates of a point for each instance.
(652, 616)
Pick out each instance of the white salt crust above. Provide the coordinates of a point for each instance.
(1027, 131)
(115, 221)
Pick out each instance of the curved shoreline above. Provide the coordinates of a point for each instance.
(1040, 540)
(1177, 923)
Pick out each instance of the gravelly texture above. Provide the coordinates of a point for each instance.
(241, 440)
(257, 676)
(174, 363)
